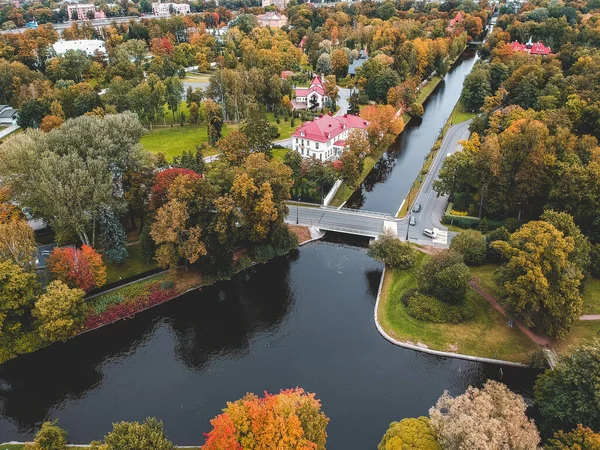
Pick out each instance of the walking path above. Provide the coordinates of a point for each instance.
(6, 131)
(590, 317)
(539, 339)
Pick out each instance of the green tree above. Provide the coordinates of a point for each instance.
(50, 437)
(148, 435)
(476, 88)
(569, 394)
(580, 438)
(564, 222)
(445, 276)
(173, 93)
(17, 294)
(540, 280)
(392, 251)
(234, 148)
(471, 245)
(60, 312)
(214, 120)
(293, 160)
(258, 131)
(353, 103)
(410, 434)
(499, 234)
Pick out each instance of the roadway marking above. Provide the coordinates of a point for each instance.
(391, 226)
(441, 237)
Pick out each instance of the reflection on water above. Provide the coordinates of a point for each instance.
(389, 182)
(305, 320)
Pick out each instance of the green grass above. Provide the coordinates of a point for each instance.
(285, 128)
(485, 274)
(582, 330)
(591, 296)
(459, 115)
(486, 335)
(426, 91)
(173, 141)
(133, 265)
(279, 153)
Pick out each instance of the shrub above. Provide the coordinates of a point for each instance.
(445, 276)
(499, 234)
(429, 309)
(60, 312)
(595, 256)
(101, 303)
(416, 110)
(50, 437)
(169, 284)
(148, 435)
(410, 433)
(471, 245)
(392, 251)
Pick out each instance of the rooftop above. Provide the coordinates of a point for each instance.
(327, 127)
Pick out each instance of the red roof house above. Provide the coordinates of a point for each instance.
(536, 48)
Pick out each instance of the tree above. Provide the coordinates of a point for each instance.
(17, 243)
(60, 312)
(392, 251)
(581, 438)
(569, 394)
(174, 93)
(113, 237)
(50, 122)
(234, 148)
(77, 268)
(416, 110)
(324, 65)
(491, 418)
(499, 234)
(331, 89)
(50, 437)
(164, 180)
(339, 63)
(564, 222)
(445, 276)
(32, 113)
(383, 126)
(353, 103)
(541, 282)
(471, 245)
(290, 420)
(476, 88)
(148, 435)
(17, 294)
(258, 131)
(214, 120)
(410, 434)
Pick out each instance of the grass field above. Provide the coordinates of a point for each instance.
(486, 335)
(173, 141)
(285, 128)
(591, 296)
(459, 115)
(133, 265)
(279, 153)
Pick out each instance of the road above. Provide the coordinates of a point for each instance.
(6, 131)
(432, 206)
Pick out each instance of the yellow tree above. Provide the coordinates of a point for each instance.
(17, 243)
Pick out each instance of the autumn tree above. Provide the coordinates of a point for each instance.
(339, 63)
(60, 312)
(17, 294)
(580, 438)
(164, 180)
(392, 251)
(540, 280)
(214, 120)
(17, 243)
(290, 420)
(569, 394)
(410, 433)
(50, 122)
(490, 418)
(148, 435)
(49, 437)
(331, 90)
(77, 268)
(471, 245)
(384, 125)
(445, 276)
(564, 223)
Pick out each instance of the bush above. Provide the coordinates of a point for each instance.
(445, 276)
(429, 309)
(392, 251)
(104, 301)
(471, 245)
(50, 437)
(595, 256)
(416, 110)
(499, 234)
(166, 285)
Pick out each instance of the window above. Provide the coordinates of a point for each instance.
(296, 140)
(317, 145)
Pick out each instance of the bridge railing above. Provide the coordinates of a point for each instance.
(359, 211)
(356, 231)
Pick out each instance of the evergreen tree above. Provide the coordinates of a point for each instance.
(113, 237)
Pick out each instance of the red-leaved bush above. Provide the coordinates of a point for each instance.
(77, 268)
(164, 179)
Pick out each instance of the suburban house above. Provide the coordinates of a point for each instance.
(311, 97)
(90, 46)
(457, 19)
(272, 19)
(362, 58)
(84, 12)
(281, 4)
(165, 9)
(533, 48)
(324, 138)
(8, 115)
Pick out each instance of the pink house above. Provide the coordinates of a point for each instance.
(313, 96)
(536, 48)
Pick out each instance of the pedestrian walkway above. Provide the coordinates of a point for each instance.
(590, 317)
(8, 130)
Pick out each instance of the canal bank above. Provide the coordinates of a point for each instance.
(302, 320)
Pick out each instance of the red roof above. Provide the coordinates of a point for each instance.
(286, 73)
(315, 86)
(517, 47)
(458, 18)
(328, 127)
(340, 143)
(536, 48)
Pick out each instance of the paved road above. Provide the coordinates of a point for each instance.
(6, 131)
(342, 102)
(432, 206)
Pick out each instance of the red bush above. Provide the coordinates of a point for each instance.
(163, 181)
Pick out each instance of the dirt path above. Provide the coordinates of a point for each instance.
(540, 340)
(590, 317)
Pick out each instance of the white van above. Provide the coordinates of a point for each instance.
(430, 233)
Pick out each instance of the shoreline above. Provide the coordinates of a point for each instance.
(418, 348)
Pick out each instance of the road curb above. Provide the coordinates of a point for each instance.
(390, 339)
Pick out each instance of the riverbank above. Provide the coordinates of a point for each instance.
(130, 299)
(486, 337)
(21, 445)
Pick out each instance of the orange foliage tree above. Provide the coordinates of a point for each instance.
(83, 269)
(384, 124)
(289, 420)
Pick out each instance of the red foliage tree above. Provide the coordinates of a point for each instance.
(164, 179)
(76, 268)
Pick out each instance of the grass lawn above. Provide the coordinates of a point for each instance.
(591, 296)
(485, 274)
(459, 115)
(133, 265)
(279, 153)
(486, 335)
(173, 141)
(583, 330)
(428, 89)
(285, 128)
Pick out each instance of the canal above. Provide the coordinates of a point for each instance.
(390, 180)
(302, 320)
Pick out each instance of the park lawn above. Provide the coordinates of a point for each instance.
(486, 335)
(285, 128)
(591, 296)
(485, 273)
(173, 141)
(279, 153)
(133, 265)
(459, 115)
(583, 330)
(183, 108)
(345, 191)
(426, 91)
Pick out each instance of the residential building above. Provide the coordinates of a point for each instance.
(311, 97)
(281, 4)
(533, 48)
(325, 137)
(165, 9)
(84, 12)
(8, 115)
(457, 19)
(90, 46)
(272, 19)
(362, 58)
(286, 74)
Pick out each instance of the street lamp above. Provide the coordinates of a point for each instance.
(298, 211)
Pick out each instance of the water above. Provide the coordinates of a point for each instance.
(390, 180)
(304, 320)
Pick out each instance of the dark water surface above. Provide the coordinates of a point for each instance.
(390, 180)
(305, 320)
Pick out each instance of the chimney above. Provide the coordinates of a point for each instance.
(345, 115)
(320, 116)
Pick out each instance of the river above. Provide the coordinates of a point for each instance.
(302, 320)
(390, 180)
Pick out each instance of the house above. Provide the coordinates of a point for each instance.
(311, 97)
(302, 43)
(533, 48)
(84, 12)
(325, 137)
(90, 46)
(457, 19)
(362, 58)
(272, 19)
(165, 9)
(281, 4)
(286, 74)
(8, 115)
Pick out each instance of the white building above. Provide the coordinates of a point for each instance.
(90, 46)
(164, 9)
(311, 97)
(281, 4)
(84, 12)
(8, 115)
(325, 137)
